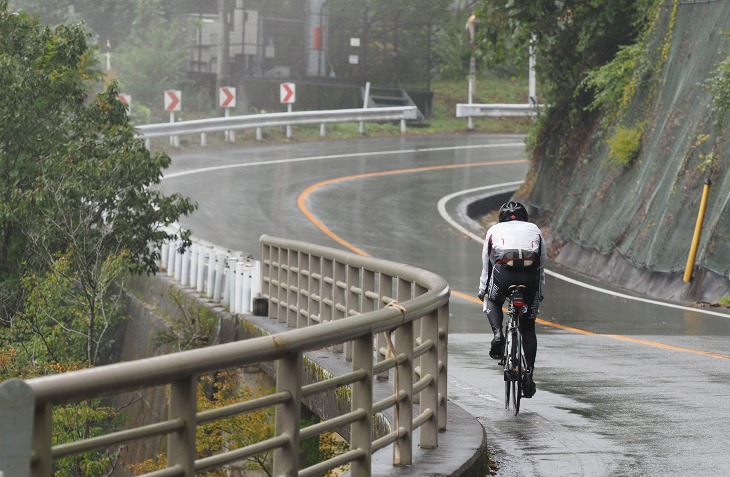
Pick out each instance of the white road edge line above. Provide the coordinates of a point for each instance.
(442, 211)
(339, 156)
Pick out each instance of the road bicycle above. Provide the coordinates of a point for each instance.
(513, 358)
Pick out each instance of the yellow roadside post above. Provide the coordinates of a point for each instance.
(698, 231)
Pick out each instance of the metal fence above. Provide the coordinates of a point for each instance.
(331, 297)
(230, 124)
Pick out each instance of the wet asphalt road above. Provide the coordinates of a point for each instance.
(624, 387)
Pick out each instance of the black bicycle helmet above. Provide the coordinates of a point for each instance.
(512, 211)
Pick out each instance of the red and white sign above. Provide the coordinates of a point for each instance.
(227, 97)
(125, 99)
(288, 93)
(173, 99)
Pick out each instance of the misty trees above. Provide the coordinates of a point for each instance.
(78, 203)
(572, 38)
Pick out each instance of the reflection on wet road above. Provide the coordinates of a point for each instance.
(624, 387)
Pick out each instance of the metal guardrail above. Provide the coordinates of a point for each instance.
(347, 297)
(496, 110)
(260, 121)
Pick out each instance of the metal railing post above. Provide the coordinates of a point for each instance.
(353, 303)
(314, 299)
(288, 379)
(327, 309)
(17, 402)
(292, 289)
(362, 398)
(443, 357)
(429, 398)
(181, 444)
(339, 276)
(42, 440)
(302, 289)
(403, 446)
(385, 288)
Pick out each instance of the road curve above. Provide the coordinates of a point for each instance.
(625, 387)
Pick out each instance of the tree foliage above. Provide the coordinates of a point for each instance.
(571, 38)
(78, 196)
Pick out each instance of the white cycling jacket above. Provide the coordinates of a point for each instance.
(514, 243)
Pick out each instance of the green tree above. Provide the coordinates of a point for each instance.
(108, 19)
(146, 72)
(571, 39)
(78, 198)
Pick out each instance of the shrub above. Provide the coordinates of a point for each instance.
(624, 145)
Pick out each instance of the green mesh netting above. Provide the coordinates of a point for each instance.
(648, 210)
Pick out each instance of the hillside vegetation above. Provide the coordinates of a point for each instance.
(618, 182)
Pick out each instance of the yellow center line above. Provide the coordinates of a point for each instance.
(302, 199)
(301, 203)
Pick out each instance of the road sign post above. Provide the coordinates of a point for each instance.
(227, 101)
(173, 103)
(288, 96)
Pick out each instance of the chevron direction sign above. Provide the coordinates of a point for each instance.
(227, 97)
(288, 93)
(173, 99)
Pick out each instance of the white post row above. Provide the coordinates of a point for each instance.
(225, 277)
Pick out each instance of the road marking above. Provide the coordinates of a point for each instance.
(339, 156)
(301, 202)
(441, 206)
(302, 199)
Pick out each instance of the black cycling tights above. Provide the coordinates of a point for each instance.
(527, 328)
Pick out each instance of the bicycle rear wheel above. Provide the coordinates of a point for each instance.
(507, 360)
(518, 375)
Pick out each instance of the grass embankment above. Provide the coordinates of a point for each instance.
(446, 95)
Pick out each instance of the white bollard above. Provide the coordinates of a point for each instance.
(163, 255)
(202, 256)
(220, 267)
(229, 288)
(238, 294)
(185, 269)
(194, 250)
(211, 273)
(171, 259)
(246, 288)
(178, 261)
(255, 282)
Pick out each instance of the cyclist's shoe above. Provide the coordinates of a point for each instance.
(528, 385)
(497, 349)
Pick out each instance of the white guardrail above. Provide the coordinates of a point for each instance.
(260, 121)
(496, 110)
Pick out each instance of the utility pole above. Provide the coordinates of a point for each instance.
(223, 66)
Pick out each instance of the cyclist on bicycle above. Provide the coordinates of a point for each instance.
(514, 253)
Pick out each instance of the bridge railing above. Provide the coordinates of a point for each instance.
(348, 298)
